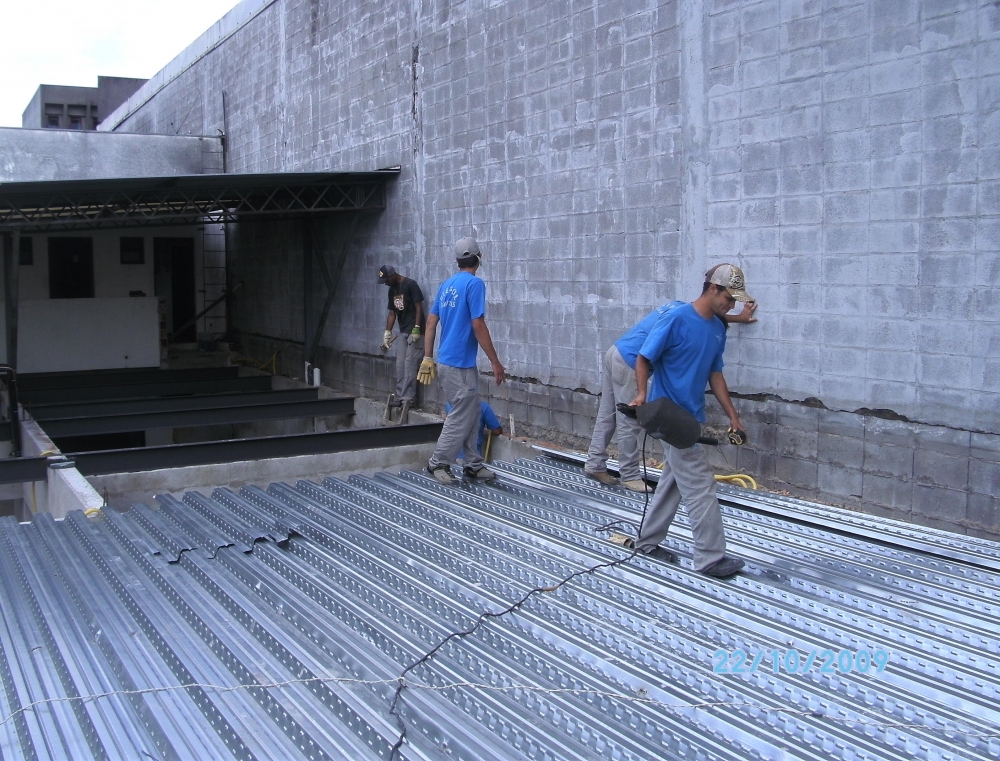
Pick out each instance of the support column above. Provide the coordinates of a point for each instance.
(11, 260)
(307, 287)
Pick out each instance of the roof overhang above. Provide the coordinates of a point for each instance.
(63, 205)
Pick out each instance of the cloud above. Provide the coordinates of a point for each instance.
(71, 43)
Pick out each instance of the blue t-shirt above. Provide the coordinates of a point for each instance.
(684, 348)
(487, 422)
(630, 343)
(460, 299)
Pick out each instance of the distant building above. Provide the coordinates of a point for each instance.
(65, 107)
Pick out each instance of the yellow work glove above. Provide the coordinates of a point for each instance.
(414, 336)
(387, 339)
(737, 437)
(428, 371)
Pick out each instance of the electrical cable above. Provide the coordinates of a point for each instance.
(486, 615)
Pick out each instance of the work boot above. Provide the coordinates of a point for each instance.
(484, 475)
(724, 567)
(637, 485)
(442, 474)
(661, 553)
(603, 476)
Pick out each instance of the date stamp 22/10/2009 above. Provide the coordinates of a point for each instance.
(793, 662)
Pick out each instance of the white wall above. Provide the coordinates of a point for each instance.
(85, 334)
(112, 279)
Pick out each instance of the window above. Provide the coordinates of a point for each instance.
(53, 115)
(76, 122)
(71, 268)
(132, 250)
(26, 256)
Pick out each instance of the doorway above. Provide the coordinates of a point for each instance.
(173, 280)
(71, 268)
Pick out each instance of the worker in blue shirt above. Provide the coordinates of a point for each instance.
(488, 423)
(460, 309)
(683, 354)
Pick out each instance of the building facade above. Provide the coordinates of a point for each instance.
(845, 153)
(82, 108)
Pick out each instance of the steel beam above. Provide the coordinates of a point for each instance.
(123, 377)
(20, 470)
(150, 390)
(144, 421)
(42, 412)
(17, 470)
(264, 448)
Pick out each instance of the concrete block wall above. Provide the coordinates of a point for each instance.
(846, 153)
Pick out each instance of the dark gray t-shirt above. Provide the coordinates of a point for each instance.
(403, 299)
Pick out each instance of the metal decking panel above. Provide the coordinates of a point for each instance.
(274, 623)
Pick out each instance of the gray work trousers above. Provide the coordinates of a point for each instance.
(461, 427)
(617, 386)
(408, 359)
(688, 476)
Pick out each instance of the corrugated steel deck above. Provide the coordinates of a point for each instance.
(274, 624)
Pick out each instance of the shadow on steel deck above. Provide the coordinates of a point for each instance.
(273, 625)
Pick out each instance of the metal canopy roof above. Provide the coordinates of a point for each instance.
(63, 205)
(275, 624)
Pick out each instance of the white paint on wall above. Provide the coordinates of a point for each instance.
(57, 335)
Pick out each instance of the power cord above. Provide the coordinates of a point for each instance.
(484, 616)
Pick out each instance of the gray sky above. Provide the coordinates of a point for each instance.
(59, 42)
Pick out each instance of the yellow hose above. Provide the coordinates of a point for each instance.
(91, 511)
(739, 479)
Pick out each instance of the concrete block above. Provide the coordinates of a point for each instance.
(846, 207)
(801, 122)
(848, 176)
(846, 239)
(950, 200)
(764, 212)
(804, 62)
(840, 424)
(940, 503)
(947, 371)
(984, 477)
(760, 184)
(936, 469)
(792, 470)
(887, 491)
(895, 108)
(799, 210)
(945, 441)
(802, 180)
(892, 366)
(985, 447)
(887, 459)
(949, 165)
(844, 451)
(893, 237)
(983, 516)
(893, 76)
(801, 240)
(801, 32)
(844, 53)
(839, 481)
(948, 234)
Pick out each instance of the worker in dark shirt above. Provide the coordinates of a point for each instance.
(406, 307)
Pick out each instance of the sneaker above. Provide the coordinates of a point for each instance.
(637, 485)
(442, 474)
(661, 553)
(603, 476)
(483, 475)
(724, 567)
(396, 403)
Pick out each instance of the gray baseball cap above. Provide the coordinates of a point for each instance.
(467, 247)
